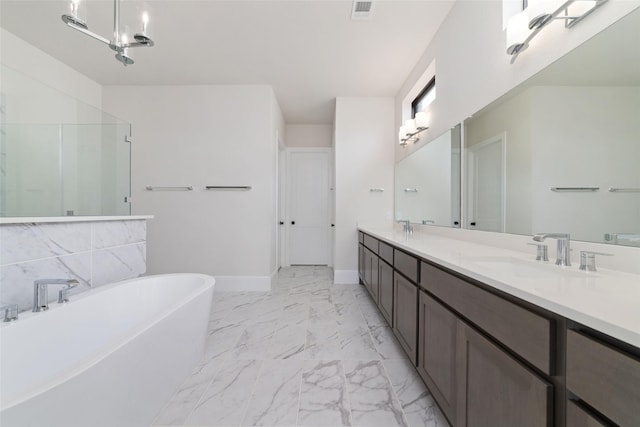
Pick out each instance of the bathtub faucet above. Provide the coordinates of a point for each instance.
(40, 294)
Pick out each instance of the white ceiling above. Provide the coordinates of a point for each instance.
(310, 51)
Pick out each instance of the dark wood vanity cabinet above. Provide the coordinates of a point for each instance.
(490, 359)
(375, 269)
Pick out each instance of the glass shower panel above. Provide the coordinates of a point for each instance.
(31, 170)
(96, 169)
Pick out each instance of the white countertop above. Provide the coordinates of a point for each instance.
(47, 219)
(605, 300)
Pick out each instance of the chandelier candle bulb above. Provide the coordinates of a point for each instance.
(145, 22)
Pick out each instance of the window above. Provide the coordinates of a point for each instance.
(424, 98)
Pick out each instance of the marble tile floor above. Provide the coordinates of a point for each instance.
(307, 353)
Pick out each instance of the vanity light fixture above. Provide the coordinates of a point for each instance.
(538, 14)
(120, 42)
(413, 127)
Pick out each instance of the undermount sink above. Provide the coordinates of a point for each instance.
(520, 268)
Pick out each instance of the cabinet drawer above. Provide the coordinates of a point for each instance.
(578, 417)
(386, 252)
(360, 237)
(526, 333)
(605, 378)
(406, 264)
(371, 243)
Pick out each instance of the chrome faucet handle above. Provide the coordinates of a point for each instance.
(10, 312)
(563, 252)
(588, 260)
(63, 294)
(542, 251)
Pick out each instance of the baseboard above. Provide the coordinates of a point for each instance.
(243, 283)
(344, 277)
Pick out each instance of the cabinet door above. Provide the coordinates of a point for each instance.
(578, 417)
(496, 390)
(367, 268)
(361, 262)
(375, 279)
(437, 352)
(385, 298)
(405, 314)
(604, 377)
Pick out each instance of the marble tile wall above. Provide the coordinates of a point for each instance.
(94, 253)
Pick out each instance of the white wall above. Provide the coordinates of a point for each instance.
(364, 136)
(35, 64)
(472, 68)
(312, 136)
(198, 135)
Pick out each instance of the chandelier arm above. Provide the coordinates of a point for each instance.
(90, 33)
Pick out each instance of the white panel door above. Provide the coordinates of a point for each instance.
(309, 221)
(487, 185)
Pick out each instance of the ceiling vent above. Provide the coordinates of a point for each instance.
(361, 9)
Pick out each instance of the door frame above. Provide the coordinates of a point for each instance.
(501, 139)
(281, 246)
(287, 200)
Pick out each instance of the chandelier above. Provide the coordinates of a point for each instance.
(120, 42)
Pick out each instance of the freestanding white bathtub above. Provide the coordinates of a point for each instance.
(111, 357)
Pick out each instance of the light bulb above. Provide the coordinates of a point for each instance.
(74, 5)
(422, 120)
(402, 135)
(410, 126)
(517, 32)
(145, 22)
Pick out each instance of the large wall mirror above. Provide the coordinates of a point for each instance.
(427, 182)
(561, 152)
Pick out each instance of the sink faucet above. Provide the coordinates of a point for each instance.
(40, 294)
(563, 254)
(406, 226)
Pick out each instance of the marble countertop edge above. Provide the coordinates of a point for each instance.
(52, 219)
